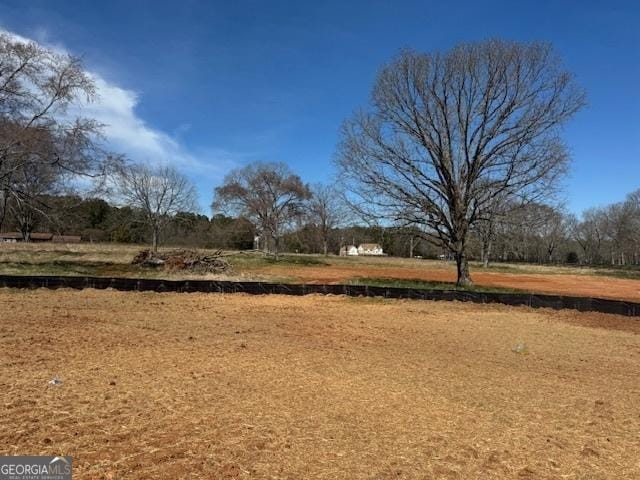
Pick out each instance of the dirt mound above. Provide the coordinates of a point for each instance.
(182, 259)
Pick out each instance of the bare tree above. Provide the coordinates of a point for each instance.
(448, 132)
(589, 234)
(327, 211)
(268, 194)
(27, 200)
(497, 211)
(553, 230)
(31, 179)
(619, 231)
(159, 192)
(37, 88)
(633, 205)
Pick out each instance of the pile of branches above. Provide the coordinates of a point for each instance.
(182, 259)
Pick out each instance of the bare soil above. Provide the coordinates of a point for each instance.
(114, 260)
(561, 284)
(234, 386)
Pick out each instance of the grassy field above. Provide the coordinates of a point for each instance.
(115, 260)
(108, 259)
(239, 387)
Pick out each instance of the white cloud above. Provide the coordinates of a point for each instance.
(127, 133)
(115, 107)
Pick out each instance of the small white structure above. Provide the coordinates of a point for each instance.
(370, 249)
(362, 249)
(348, 250)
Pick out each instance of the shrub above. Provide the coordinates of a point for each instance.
(572, 257)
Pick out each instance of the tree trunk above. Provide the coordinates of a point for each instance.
(464, 279)
(325, 248)
(486, 252)
(411, 247)
(25, 230)
(275, 247)
(154, 239)
(3, 207)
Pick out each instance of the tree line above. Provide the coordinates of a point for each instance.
(539, 233)
(97, 220)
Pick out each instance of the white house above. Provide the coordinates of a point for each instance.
(348, 250)
(370, 249)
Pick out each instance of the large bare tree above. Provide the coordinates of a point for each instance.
(158, 192)
(38, 87)
(449, 132)
(327, 211)
(268, 194)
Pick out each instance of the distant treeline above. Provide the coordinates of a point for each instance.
(535, 233)
(96, 220)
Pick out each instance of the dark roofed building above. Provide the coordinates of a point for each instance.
(66, 239)
(12, 237)
(41, 237)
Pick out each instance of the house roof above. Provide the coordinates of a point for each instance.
(11, 235)
(67, 238)
(369, 246)
(41, 236)
(34, 235)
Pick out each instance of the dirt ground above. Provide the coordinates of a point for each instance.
(561, 284)
(235, 386)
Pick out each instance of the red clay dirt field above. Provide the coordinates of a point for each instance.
(559, 284)
(214, 386)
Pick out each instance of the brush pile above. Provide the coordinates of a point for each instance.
(184, 260)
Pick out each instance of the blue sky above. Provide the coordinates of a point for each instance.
(213, 85)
